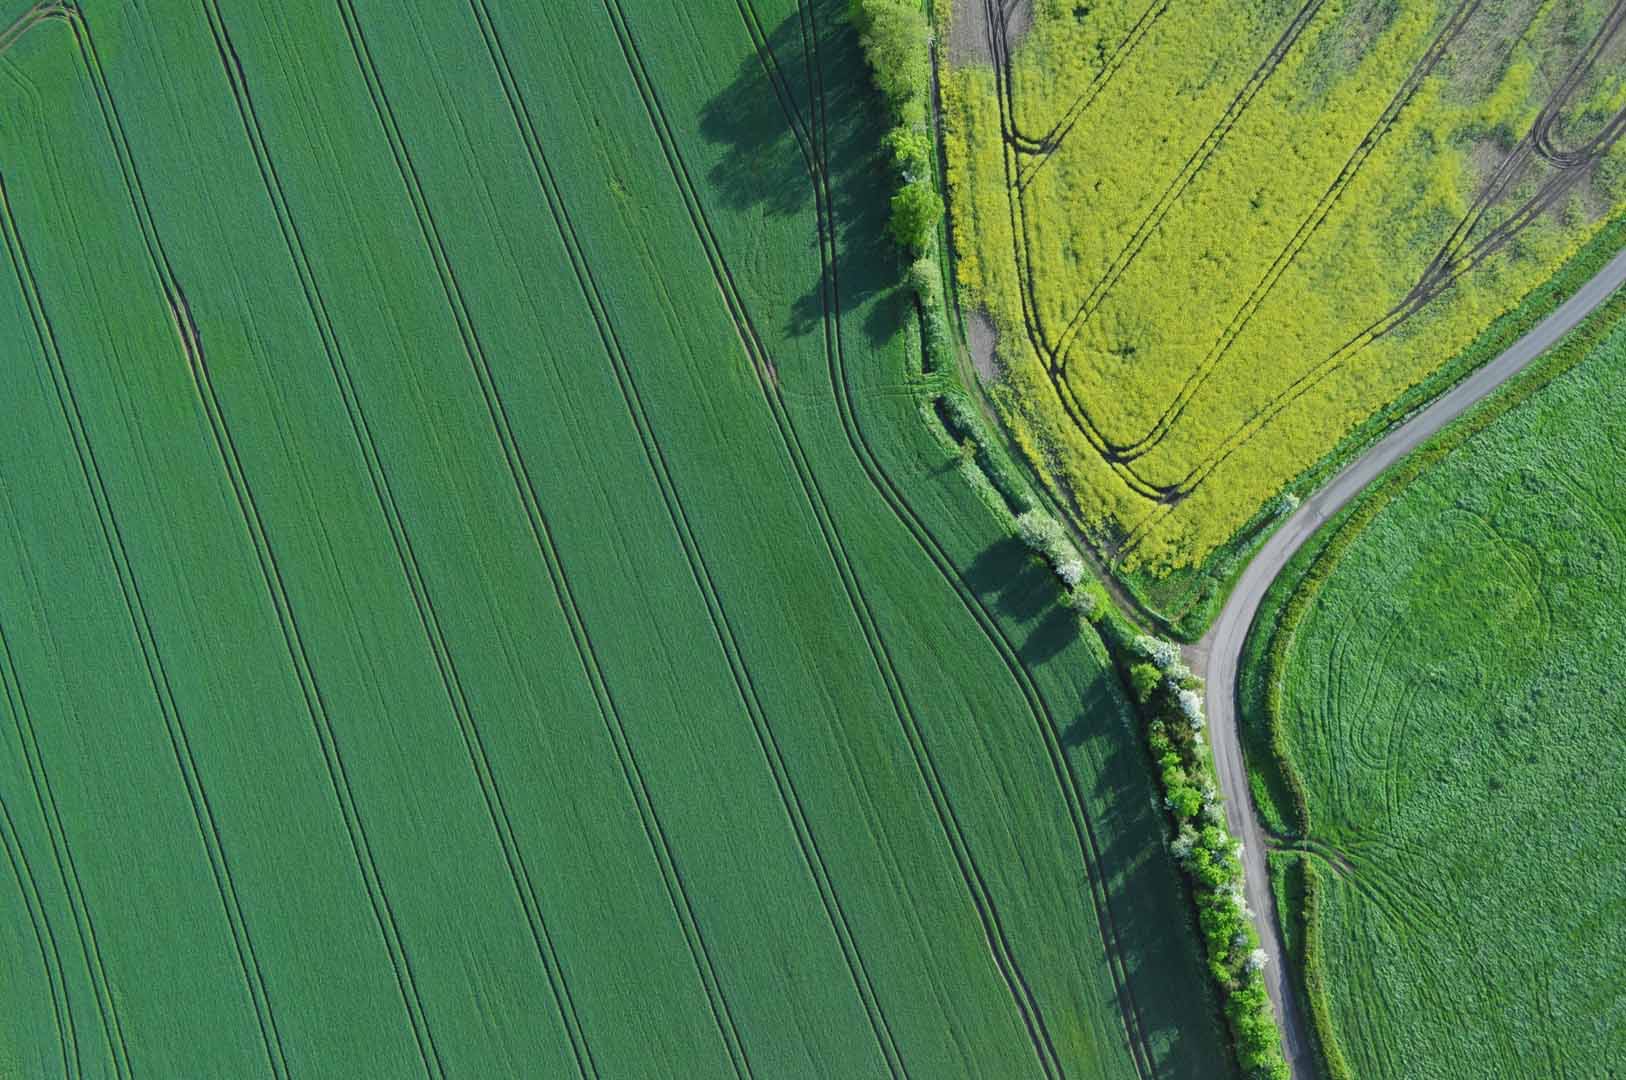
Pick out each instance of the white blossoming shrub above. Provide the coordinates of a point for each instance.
(1257, 960)
(1042, 533)
(1164, 655)
(1182, 845)
(1191, 708)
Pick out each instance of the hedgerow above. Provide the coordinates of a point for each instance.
(1170, 702)
(896, 39)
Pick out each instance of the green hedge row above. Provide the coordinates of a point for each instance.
(1333, 1063)
(1169, 698)
(896, 39)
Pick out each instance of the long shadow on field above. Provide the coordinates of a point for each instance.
(764, 164)
(1022, 586)
(1100, 737)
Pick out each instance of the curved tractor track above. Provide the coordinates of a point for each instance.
(1026, 154)
(1218, 655)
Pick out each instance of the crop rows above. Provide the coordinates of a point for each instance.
(501, 741)
(1159, 417)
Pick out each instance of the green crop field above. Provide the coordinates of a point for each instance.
(1213, 239)
(1445, 687)
(477, 597)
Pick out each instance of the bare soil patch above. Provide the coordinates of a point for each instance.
(970, 39)
(982, 338)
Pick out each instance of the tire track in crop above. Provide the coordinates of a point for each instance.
(1028, 289)
(17, 704)
(1454, 261)
(50, 813)
(33, 901)
(50, 962)
(316, 706)
(887, 488)
(406, 555)
(541, 529)
(1176, 189)
(32, 17)
(722, 626)
(971, 874)
(1046, 145)
(1021, 227)
(1308, 228)
(1551, 194)
(157, 675)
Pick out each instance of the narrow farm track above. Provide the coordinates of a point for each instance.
(1218, 655)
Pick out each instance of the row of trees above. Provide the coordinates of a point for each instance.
(1170, 698)
(896, 39)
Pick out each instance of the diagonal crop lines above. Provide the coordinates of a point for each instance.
(1455, 259)
(157, 675)
(1028, 289)
(1308, 227)
(722, 626)
(316, 706)
(1452, 264)
(40, 923)
(1045, 147)
(1176, 188)
(835, 355)
(543, 540)
(814, 496)
(27, 884)
(384, 495)
(1044, 720)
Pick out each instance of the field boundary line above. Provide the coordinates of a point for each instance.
(1072, 797)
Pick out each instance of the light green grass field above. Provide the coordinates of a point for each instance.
(477, 597)
(1449, 700)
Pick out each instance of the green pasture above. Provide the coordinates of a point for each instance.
(1447, 668)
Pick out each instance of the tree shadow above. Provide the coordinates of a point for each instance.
(810, 134)
(1007, 573)
(763, 165)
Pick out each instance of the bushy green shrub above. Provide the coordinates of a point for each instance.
(896, 39)
(1170, 700)
(1144, 679)
(916, 210)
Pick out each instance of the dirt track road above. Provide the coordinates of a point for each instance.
(1219, 652)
